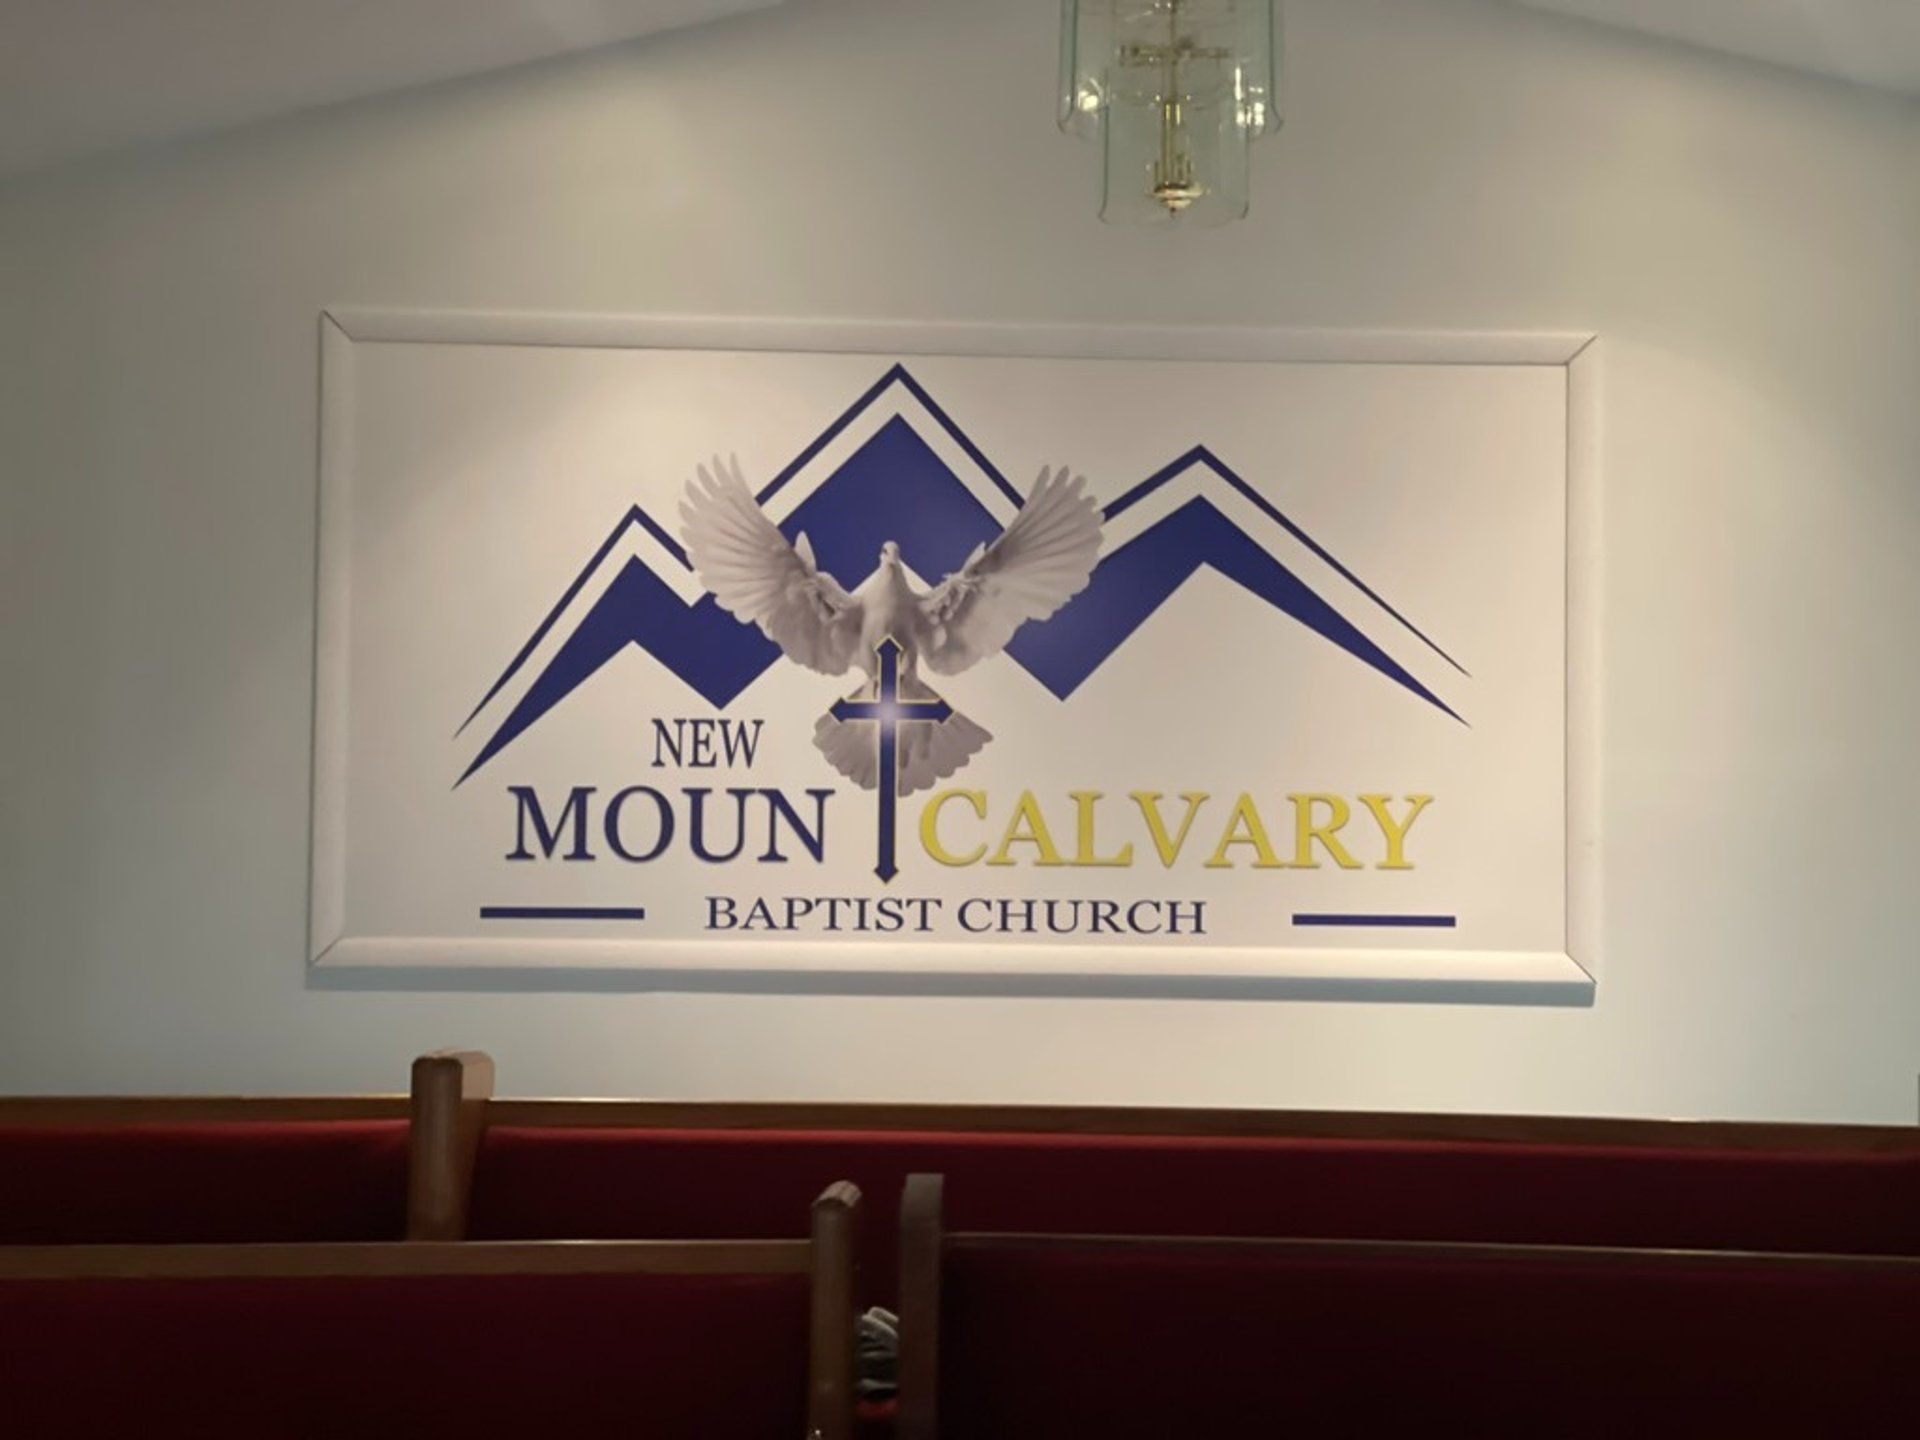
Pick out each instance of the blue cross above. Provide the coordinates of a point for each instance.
(890, 712)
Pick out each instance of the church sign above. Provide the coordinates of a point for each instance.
(1170, 655)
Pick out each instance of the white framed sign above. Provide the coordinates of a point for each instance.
(721, 645)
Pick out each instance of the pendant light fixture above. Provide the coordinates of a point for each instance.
(1175, 91)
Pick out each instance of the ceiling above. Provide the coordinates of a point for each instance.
(82, 76)
(1869, 42)
(78, 77)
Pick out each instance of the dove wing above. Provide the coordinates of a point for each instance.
(1041, 561)
(756, 576)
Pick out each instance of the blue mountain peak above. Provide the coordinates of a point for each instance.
(895, 487)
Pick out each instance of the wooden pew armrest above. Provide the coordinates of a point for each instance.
(450, 1094)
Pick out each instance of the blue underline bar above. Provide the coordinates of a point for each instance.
(561, 912)
(1388, 922)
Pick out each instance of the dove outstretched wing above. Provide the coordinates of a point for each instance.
(1041, 561)
(756, 576)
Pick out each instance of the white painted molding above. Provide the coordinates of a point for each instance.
(1374, 975)
(327, 901)
(905, 337)
(1584, 657)
(1364, 968)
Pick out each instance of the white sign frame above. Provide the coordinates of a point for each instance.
(1565, 977)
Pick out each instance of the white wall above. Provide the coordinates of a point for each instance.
(1746, 242)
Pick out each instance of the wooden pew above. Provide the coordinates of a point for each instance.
(215, 1169)
(1012, 1336)
(447, 1108)
(570, 1168)
(714, 1339)
(1240, 1124)
(177, 1169)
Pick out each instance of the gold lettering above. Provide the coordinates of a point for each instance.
(1306, 832)
(1168, 846)
(1087, 854)
(1395, 833)
(1246, 819)
(930, 826)
(1028, 827)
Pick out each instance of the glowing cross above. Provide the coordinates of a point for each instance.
(890, 712)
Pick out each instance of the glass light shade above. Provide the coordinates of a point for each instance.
(1181, 163)
(1175, 91)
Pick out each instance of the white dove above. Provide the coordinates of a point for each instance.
(1039, 562)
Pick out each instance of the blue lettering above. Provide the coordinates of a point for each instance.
(739, 742)
(663, 836)
(574, 812)
(703, 756)
(1198, 918)
(815, 840)
(697, 830)
(665, 744)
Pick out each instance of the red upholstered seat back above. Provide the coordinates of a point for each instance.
(533, 1182)
(1044, 1344)
(229, 1181)
(718, 1357)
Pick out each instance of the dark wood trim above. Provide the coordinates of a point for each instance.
(922, 1249)
(79, 1111)
(830, 1362)
(448, 1106)
(1230, 1124)
(1475, 1251)
(400, 1258)
(1007, 1119)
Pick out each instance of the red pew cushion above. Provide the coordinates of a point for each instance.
(166, 1184)
(534, 1182)
(1038, 1343)
(717, 1358)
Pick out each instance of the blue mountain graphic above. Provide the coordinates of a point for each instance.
(894, 487)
